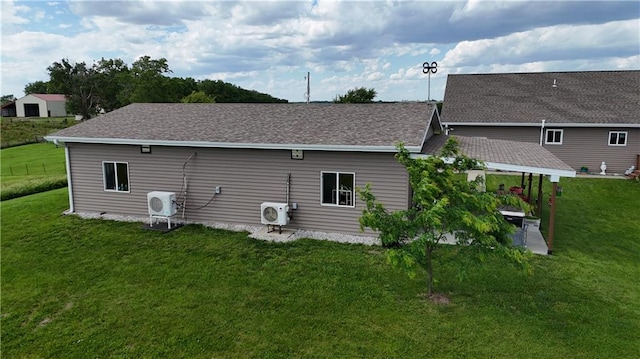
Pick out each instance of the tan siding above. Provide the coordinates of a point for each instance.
(590, 146)
(247, 178)
(580, 146)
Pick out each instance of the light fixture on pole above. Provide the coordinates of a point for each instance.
(429, 68)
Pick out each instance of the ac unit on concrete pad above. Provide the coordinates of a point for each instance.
(275, 214)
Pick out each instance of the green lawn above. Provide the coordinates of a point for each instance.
(31, 168)
(78, 288)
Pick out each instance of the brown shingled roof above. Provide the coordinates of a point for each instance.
(588, 97)
(240, 123)
(501, 151)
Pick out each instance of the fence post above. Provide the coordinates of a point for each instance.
(26, 165)
(44, 169)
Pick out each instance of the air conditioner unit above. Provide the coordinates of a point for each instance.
(162, 203)
(275, 214)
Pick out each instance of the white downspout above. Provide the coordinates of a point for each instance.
(541, 132)
(69, 183)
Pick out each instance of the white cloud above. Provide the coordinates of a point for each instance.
(10, 13)
(548, 44)
(269, 46)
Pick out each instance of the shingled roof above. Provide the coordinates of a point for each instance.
(359, 127)
(506, 155)
(588, 97)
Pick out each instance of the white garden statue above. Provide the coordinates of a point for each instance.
(603, 167)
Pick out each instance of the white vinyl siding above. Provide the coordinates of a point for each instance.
(554, 136)
(337, 189)
(116, 176)
(618, 138)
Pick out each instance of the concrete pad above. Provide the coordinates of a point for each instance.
(287, 235)
(536, 242)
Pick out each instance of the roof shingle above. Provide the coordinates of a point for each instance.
(296, 124)
(588, 97)
(501, 151)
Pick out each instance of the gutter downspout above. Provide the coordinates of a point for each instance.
(541, 131)
(69, 183)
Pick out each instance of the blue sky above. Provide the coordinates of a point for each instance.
(269, 46)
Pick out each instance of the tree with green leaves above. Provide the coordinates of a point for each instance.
(36, 87)
(111, 77)
(77, 82)
(198, 97)
(7, 99)
(357, 95)
(149, 81)
(443, 204)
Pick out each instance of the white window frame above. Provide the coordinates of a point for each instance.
(554, 130)
(352, 193)
(618, 133)
(115, 167)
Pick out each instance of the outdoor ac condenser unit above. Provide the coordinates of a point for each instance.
(275, 214)
(162, 203)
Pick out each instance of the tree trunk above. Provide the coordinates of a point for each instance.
(429, 271)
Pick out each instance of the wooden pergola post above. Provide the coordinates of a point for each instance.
(530, 183)
(552, 217)
(539, 208)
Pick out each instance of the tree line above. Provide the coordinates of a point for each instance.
(109, 84)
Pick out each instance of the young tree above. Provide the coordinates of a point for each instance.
(443, 203)
(357, 95)
(198, 97)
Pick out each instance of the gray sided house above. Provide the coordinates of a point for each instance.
(316, 154)
(583, 118)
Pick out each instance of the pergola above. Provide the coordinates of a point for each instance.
(513, 156)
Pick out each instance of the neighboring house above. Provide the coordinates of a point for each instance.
(41, 105)
(316, 155)
(583, 118)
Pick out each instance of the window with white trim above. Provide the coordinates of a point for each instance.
(554, 136)
(617, 138)
(116, 176)
(337, 189)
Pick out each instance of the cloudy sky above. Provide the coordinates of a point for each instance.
(269, 46)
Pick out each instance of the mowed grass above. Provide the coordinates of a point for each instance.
(78, 288)
(31, 168)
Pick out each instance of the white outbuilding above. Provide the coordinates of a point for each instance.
(41, 105)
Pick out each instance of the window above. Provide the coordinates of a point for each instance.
(554, 137)
(338, 189)
(617, 138)
(116, 176)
